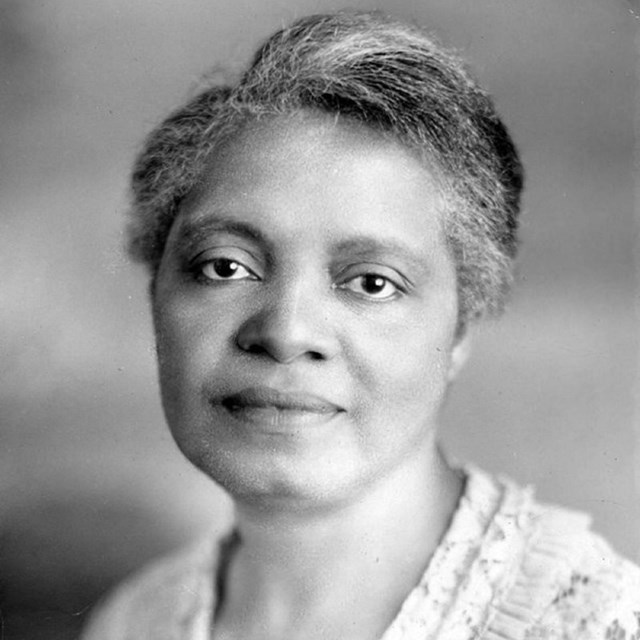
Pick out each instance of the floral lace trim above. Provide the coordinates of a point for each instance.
(510, 569)
(507, 569)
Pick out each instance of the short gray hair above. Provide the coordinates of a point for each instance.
(392, 77)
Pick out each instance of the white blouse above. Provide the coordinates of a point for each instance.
(508, 568)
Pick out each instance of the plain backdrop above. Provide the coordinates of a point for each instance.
(91, 485)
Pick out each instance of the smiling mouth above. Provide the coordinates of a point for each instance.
(269, 407)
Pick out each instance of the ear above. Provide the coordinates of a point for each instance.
(459, 354)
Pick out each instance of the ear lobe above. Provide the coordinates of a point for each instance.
(459, 355)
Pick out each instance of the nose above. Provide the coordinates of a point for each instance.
(289, 326)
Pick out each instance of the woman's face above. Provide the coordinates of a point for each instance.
(305, 311)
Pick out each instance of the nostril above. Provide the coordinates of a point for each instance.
(283, 338)
(255, 348)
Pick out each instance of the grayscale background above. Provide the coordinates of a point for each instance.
(91, 485)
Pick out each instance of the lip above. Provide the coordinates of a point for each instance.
(269, 398)
(273, 408)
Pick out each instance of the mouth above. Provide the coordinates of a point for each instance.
(272, 408)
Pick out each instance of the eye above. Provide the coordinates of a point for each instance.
(220, 269)
(371, 285)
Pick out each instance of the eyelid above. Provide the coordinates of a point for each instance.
(202, 271)
(371, 268)
(399, 283)
(226, 252)
(231, 251)
(372, 297)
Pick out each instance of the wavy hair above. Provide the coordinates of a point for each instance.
(390, 76)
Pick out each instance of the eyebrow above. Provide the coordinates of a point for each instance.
(193, 231)
(361, 246)
(365, 247)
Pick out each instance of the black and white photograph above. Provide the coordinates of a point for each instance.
(320, 320)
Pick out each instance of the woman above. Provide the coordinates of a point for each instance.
(320, 237)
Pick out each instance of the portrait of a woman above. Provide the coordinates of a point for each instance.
(321, 238)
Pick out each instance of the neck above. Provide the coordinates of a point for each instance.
(375, 548)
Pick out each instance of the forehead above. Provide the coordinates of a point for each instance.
(320, 174)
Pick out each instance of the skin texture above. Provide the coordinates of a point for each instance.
(311, 260)
(330, 204)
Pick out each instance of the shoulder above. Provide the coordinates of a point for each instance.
(160, 600)
(594, 593)
(561, 580)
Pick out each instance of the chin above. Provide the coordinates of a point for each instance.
(276, 481)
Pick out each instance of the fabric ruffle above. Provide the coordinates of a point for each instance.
(511, 569)
(506, 569)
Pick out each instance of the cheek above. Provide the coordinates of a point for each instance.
(405, 365)
(188, 342)
(187, 348)
(416, 375)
